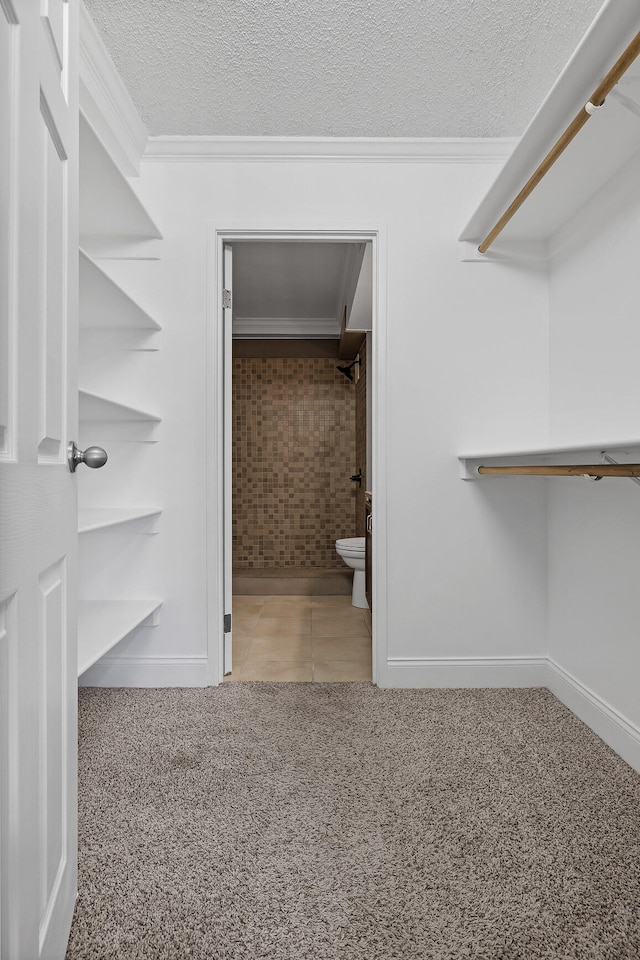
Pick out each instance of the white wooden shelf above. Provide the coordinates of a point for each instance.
(605, 143)
(99, 518)
(108, 204)
(551, 453)
(103, 624)
(104, 304)
(96, 409)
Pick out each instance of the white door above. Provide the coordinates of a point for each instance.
(38, 518)
(227, 281)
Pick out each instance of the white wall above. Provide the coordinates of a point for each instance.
(467, 366)
(594, 528)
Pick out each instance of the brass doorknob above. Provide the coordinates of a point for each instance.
(93, 457)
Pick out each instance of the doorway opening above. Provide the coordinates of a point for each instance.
(295, 328)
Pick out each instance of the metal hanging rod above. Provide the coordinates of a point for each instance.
(593, 104)
(609, 469)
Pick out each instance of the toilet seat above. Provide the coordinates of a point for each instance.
(351, 546)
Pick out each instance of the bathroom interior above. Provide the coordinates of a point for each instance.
(301, 448)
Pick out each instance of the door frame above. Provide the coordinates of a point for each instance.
(218, 236)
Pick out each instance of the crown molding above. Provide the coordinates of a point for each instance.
(106, 103)
(374, 149)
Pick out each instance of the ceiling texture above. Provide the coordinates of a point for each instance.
(340, 68)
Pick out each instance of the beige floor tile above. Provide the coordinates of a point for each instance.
(340, 601)
(339, 627)
(240, 648)
(283, 627)
(286, 610)
(231, 677)
(244, 629)
(292, 671)
(335, 671)
(286, 598)
(280, 648)
(341, 648)
(244, 608)
(336, 610)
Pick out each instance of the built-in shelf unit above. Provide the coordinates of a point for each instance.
(102, 624)
(111, 216)
(91, 519)
(95, 408)
(109, 206)
(602, 146)
(586, 451)
(553, 215)
(105, 304)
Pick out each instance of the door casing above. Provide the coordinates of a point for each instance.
(218, 236)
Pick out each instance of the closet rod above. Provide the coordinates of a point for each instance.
(566, 470)
(594, 103)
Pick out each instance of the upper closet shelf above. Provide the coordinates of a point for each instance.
(96, 408)
(104, 304)
(99, 518)
(591, 451)
(108, 204)
(609, 138)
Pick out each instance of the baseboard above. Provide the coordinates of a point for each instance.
(610, 725)
(406, 672)
(148, 672)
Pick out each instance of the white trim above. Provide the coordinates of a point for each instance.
(147, 672)
(106, 103)
(555, 449)
(318, 232)
(467, 672)
(607, 722)
(259, 328)
(377, 149)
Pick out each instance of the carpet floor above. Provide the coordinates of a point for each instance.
(293, 821)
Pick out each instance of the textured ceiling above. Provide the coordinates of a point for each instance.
(344, 68)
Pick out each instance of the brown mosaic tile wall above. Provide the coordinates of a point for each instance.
(361, 441)
(293, 454)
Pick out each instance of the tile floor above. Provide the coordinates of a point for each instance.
(325, 639)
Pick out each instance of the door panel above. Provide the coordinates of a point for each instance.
(38, 510)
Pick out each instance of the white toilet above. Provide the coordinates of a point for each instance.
(352, 551)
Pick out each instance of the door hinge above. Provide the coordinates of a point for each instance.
(227, 623)
(226, 299)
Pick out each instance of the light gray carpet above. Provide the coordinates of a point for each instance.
(324, 821)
